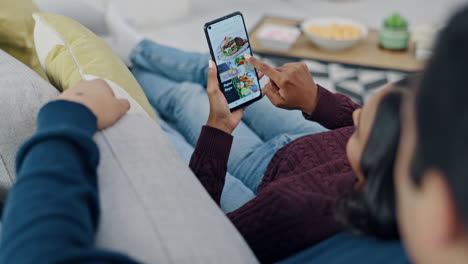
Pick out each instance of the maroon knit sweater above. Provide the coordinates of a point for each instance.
(294, 208)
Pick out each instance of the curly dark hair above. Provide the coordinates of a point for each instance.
(371, 210)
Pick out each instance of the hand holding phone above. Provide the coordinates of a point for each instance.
(229, 43)
(220, 115)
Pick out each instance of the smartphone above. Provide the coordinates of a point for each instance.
(229, 42)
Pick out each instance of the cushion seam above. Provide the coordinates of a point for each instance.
(6, 169)
(67, 46)
(113, 153)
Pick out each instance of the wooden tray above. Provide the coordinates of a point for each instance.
(367, 53)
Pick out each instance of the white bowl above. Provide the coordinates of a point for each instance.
(329, 43)
(277, 37)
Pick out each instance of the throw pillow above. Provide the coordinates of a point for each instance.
(16, 31)
(70, 52)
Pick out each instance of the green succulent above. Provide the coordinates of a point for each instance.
(396, 21)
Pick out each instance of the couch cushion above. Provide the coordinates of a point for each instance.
(149, 194)
(16, 31)
(22, 93)
(70, 52)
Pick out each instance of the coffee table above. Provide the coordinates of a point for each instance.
(366, 54)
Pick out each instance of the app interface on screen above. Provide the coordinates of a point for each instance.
(238, 78)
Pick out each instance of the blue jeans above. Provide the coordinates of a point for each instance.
(235, 193)
(174, 82)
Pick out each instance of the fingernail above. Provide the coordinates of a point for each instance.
(247, 56)
(210, 64)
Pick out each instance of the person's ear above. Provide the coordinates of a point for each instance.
(438, 208)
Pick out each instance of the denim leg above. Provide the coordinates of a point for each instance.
(268, 121)
(180, 144)
(181, 66)
(252, 168)
(186, 105)
(172, 63)
(277, 128)
(235, 193)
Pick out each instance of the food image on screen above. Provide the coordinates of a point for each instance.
(243, 65)
(245, 85)
(231, 46)
(229, 74)
(240, 60)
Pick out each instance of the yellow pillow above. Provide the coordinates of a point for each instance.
(16, 31)
(69, 52)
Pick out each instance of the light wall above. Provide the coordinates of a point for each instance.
(180, 23)
(187, 32)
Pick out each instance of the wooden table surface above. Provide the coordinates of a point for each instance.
(367, 53)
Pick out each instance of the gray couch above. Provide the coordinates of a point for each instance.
(153, 207)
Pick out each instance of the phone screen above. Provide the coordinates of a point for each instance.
(229, 43)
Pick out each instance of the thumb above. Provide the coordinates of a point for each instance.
(274, 97)
(260, 75)
(212, 78)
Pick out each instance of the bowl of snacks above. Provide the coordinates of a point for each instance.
(332, 33)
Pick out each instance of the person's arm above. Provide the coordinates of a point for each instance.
(333, 110)
(281, 220)
(292, 87)
(52, 211)
(276, 223)
(210, 158)
(285, 219)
